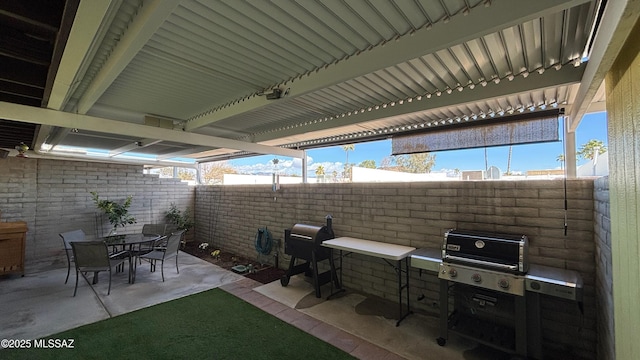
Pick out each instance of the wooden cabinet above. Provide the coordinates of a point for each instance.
(12, 242)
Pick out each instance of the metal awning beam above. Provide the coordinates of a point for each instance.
(86, 25)
(619, 18)
(151, 16)
(135, 145)
(567, 75)
(50, 117)
(181, 153)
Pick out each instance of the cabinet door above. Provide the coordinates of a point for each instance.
(12, 244)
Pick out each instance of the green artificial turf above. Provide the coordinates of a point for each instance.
(208, 325)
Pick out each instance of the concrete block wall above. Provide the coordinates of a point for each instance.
(604, 275)
(418, 214)
(52, 196)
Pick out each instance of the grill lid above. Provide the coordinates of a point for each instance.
(302, 239)
(502, 252)
(305, 232)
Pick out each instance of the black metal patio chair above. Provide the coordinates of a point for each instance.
(163, 253)
(67, 238)
(93, 256)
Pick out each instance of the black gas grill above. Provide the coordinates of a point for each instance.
(487, 278)
(489, 303)
(305, 242)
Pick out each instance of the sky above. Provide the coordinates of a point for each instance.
(523, 157)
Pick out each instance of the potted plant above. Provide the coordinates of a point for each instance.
(181, 219)
(117, 213)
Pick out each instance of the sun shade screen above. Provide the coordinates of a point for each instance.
(506, 133)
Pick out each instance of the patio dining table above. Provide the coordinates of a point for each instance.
(133, 244)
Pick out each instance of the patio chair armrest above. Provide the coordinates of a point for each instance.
(120, 254)
(161, 242)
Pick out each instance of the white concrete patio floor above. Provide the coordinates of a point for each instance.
(40, 304)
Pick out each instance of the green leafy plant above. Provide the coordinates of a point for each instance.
(181, 219)
(117, 213)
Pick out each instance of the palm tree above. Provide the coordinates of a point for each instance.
(589, 149)
(486, 160)
(346, 172)
(509, 161)
(560, 158)
(320, 173)
(346, 149)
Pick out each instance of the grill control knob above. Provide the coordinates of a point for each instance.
(453, 273)
(476, 278)
(503, 283)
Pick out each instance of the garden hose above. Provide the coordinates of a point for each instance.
(263, 241)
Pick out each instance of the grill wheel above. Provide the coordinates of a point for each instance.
(284, 280)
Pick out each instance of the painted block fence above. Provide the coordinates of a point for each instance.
(418, 214)
(53, 196)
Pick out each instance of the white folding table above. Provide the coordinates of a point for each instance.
(385, 251)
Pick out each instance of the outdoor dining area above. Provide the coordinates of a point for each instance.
(152, 246)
